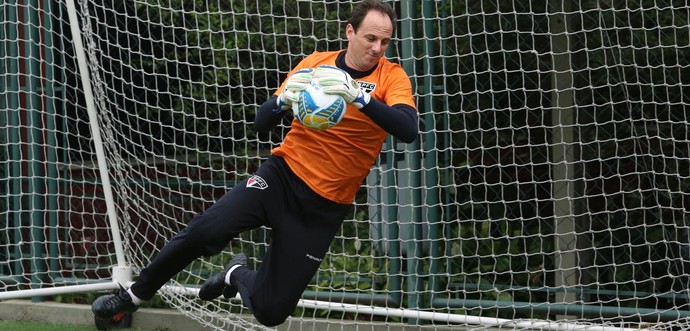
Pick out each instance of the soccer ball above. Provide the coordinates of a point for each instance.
(319, 110)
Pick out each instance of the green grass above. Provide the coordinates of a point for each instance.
(38, 326)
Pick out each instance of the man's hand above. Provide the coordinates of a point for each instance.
(334, 80)
(294, 86)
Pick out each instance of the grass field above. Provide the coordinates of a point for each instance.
(37, 326)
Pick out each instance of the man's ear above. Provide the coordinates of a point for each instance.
(349, 31)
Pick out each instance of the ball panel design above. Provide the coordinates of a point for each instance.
(319, 110)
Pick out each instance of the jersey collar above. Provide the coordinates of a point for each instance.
(340, 63)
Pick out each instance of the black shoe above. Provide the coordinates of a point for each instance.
(215, 286)
(107, 306)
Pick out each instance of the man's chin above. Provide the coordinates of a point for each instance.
(372, 60)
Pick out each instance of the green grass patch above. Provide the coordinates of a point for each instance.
(38, 326)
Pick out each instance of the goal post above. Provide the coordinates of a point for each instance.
(548, 188)
(121, 272)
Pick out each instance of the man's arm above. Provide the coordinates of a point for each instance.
(400, 121)
(268, 116)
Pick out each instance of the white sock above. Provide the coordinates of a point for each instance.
(227, 276)
(135, 300)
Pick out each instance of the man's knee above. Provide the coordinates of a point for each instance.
(273, 312)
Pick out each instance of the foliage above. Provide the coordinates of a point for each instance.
(488, 76)
(495, 113)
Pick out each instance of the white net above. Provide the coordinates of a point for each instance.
(547, 189)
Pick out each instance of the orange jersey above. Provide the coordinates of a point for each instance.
(335, 162)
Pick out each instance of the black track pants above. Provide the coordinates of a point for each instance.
(303, 225)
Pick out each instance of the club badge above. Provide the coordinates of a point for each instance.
(256, 182)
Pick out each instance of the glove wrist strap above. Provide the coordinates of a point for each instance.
(361, 100)
(281, 105)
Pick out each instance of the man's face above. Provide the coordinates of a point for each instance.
(369, 43)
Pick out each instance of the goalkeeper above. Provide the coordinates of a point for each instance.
(305, 189)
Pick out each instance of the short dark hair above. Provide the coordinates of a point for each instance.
(364, 7)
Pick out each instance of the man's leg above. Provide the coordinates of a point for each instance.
(206, 235)
(273, 290)
(302, 233)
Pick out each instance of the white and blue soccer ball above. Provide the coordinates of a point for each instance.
(319, 110)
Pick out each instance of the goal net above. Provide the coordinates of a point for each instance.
(547, 189)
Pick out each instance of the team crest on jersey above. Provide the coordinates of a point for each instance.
(256, 182)
(367, 87)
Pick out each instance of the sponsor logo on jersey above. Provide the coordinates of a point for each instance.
(367, 87)
(256, 182)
